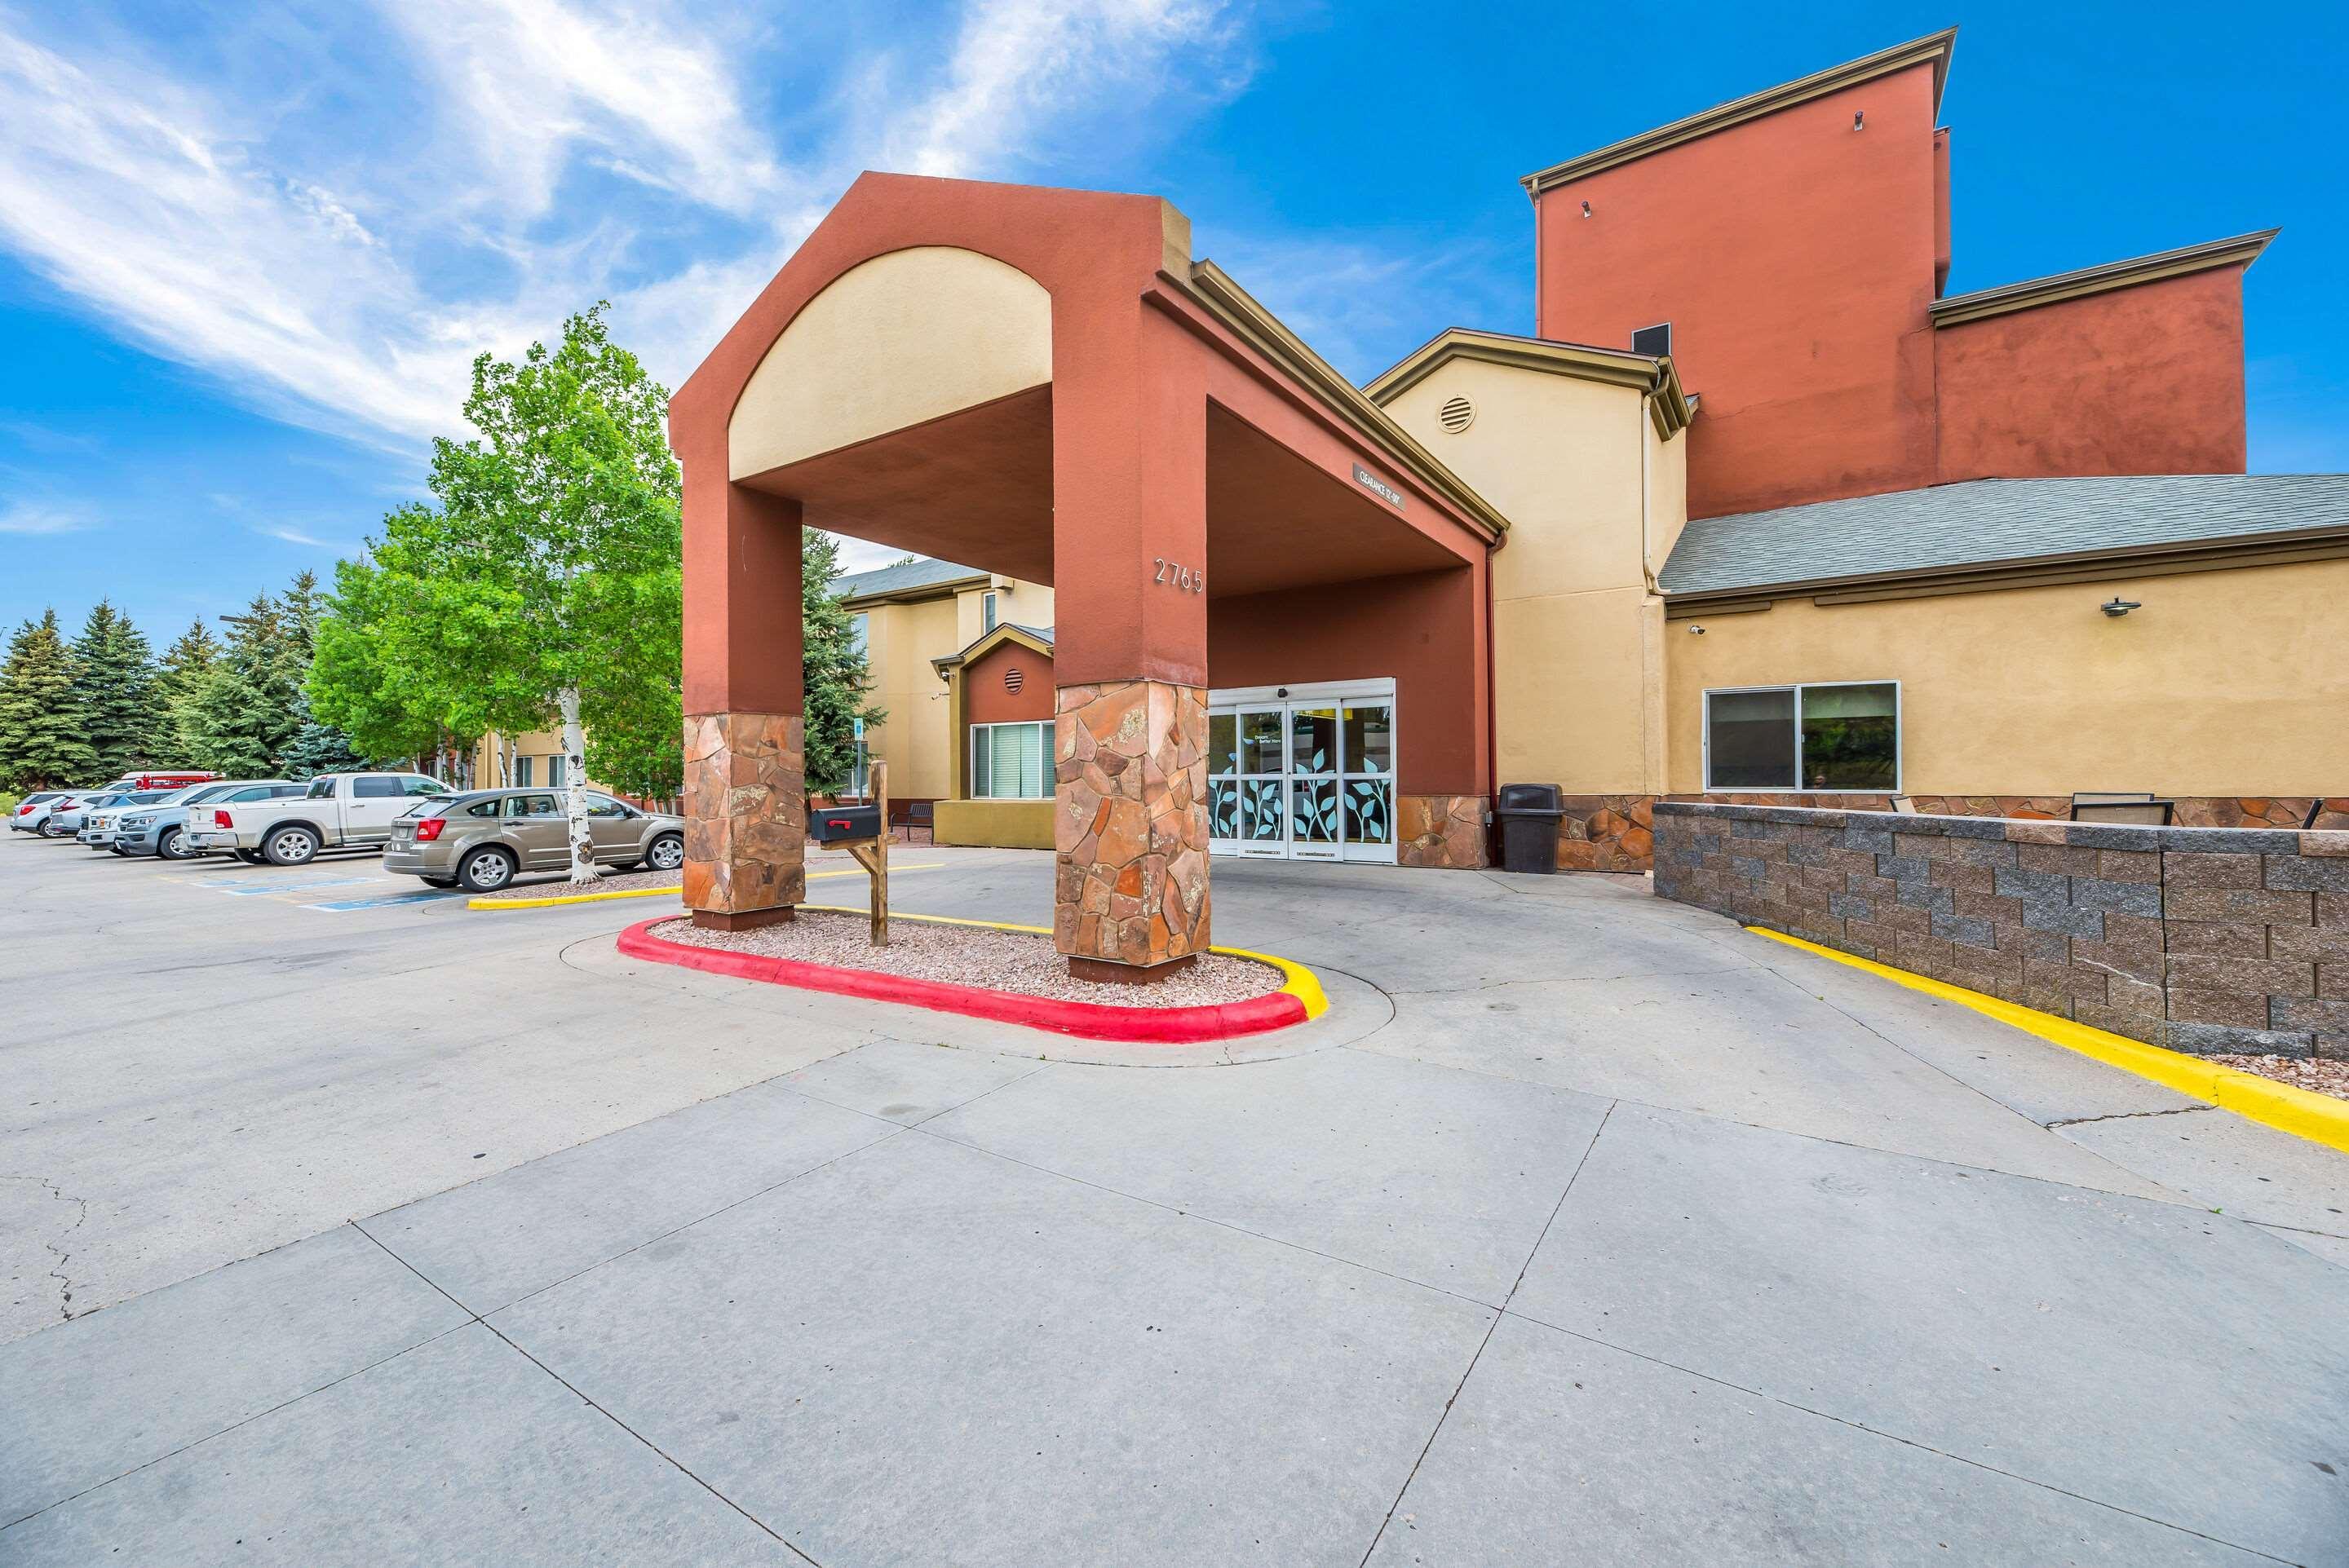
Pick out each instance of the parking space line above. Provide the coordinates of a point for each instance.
(343, 905)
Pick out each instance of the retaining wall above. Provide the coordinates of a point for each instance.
(2208, 940)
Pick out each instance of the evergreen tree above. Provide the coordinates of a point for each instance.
(183, 668)
(241, 716)
(41, 744)
(113, 679)
(318, 748)
(833, 668)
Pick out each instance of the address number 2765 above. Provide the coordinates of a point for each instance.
(1182, 579)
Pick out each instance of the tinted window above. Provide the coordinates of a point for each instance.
(322, 788)
(258, 792)
(530, 805)
(149, 796)
(286, 792)
(488, 807)
(427, 786)
(209, 792)
(376, 787)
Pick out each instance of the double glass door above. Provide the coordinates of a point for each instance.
(1306, 778)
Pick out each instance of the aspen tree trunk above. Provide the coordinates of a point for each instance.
(574, 788)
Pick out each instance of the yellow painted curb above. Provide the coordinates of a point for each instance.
(2319, 1118)
(652, 891)
(1301, 982)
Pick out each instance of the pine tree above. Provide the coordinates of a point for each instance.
(241, 716)
(183, 668)
(832, 667)
(318, 748)
(113, 680)
(41, 744)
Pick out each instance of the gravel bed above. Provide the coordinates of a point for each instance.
(609, 881)
(1014, 961)
(2323, 1076)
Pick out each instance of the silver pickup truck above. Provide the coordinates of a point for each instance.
(340, 811)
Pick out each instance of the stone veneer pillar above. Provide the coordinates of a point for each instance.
(745, 818)
(1129, 828)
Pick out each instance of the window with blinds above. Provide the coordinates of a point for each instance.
(1007, 761)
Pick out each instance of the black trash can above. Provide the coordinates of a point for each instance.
(1529, 814)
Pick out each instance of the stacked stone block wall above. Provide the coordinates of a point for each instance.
(2208, 940)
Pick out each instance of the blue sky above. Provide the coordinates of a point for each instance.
(248, 248)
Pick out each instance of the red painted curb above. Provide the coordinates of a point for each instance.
(1090, 1020)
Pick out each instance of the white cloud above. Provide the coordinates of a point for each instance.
(33, 517)
(1364, 302)
(293, 536)
(339, 267)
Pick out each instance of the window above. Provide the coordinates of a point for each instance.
(322, 788)
(1007, 761)
(416, 785)
(530, 805)
(986, 614)
(522, 772)
(858, 631)
(376, 787)
(1804, 738)
(555, 773)
(603, 806)
(284, 791)
(488, 807)
(258, 792)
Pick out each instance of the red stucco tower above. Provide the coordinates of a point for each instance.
(1797, 243)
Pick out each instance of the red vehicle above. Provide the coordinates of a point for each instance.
(161, 781)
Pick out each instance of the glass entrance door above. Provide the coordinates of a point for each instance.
(1311, 777)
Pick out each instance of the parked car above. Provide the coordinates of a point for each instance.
(64, 817)
(162, 830)
(482, 841)
(103, 818)
(26, 817)
(338, 812)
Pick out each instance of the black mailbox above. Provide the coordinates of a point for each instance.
(844, 824)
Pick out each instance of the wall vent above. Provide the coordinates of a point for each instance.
(1657, 339)
(1457, 415)
(1013, 679)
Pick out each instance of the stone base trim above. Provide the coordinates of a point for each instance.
(1442, 832)
(2208, 941)
(1130, 823)
(745, 812)
(1103, 972)
(747, 920)
(1616, 832)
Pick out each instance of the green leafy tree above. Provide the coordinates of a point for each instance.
(384, 710)
(546, 579)
(113, 696)
(184, 665)
(833, 668)
(41, 742)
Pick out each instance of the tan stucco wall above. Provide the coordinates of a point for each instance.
(900, 642)
(1576, 668)
(2226, 683)
(905, 337)
(998, 824)
(1018, 602)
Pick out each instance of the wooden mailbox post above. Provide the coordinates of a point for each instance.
(873, 854)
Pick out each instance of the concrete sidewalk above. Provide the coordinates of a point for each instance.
(1583, 1228)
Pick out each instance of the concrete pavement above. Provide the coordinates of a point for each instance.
(1584, 1227)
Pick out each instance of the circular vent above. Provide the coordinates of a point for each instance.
(1457, 415)
(1012, 678)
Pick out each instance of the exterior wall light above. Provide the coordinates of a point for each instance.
(1859, 119)
(2116, 606)
(1696, 631)
(1585, 209)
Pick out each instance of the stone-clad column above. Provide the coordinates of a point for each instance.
(1131, 829)
(746, 818)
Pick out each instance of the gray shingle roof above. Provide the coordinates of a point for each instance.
(921, 573)
(1985, 521)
